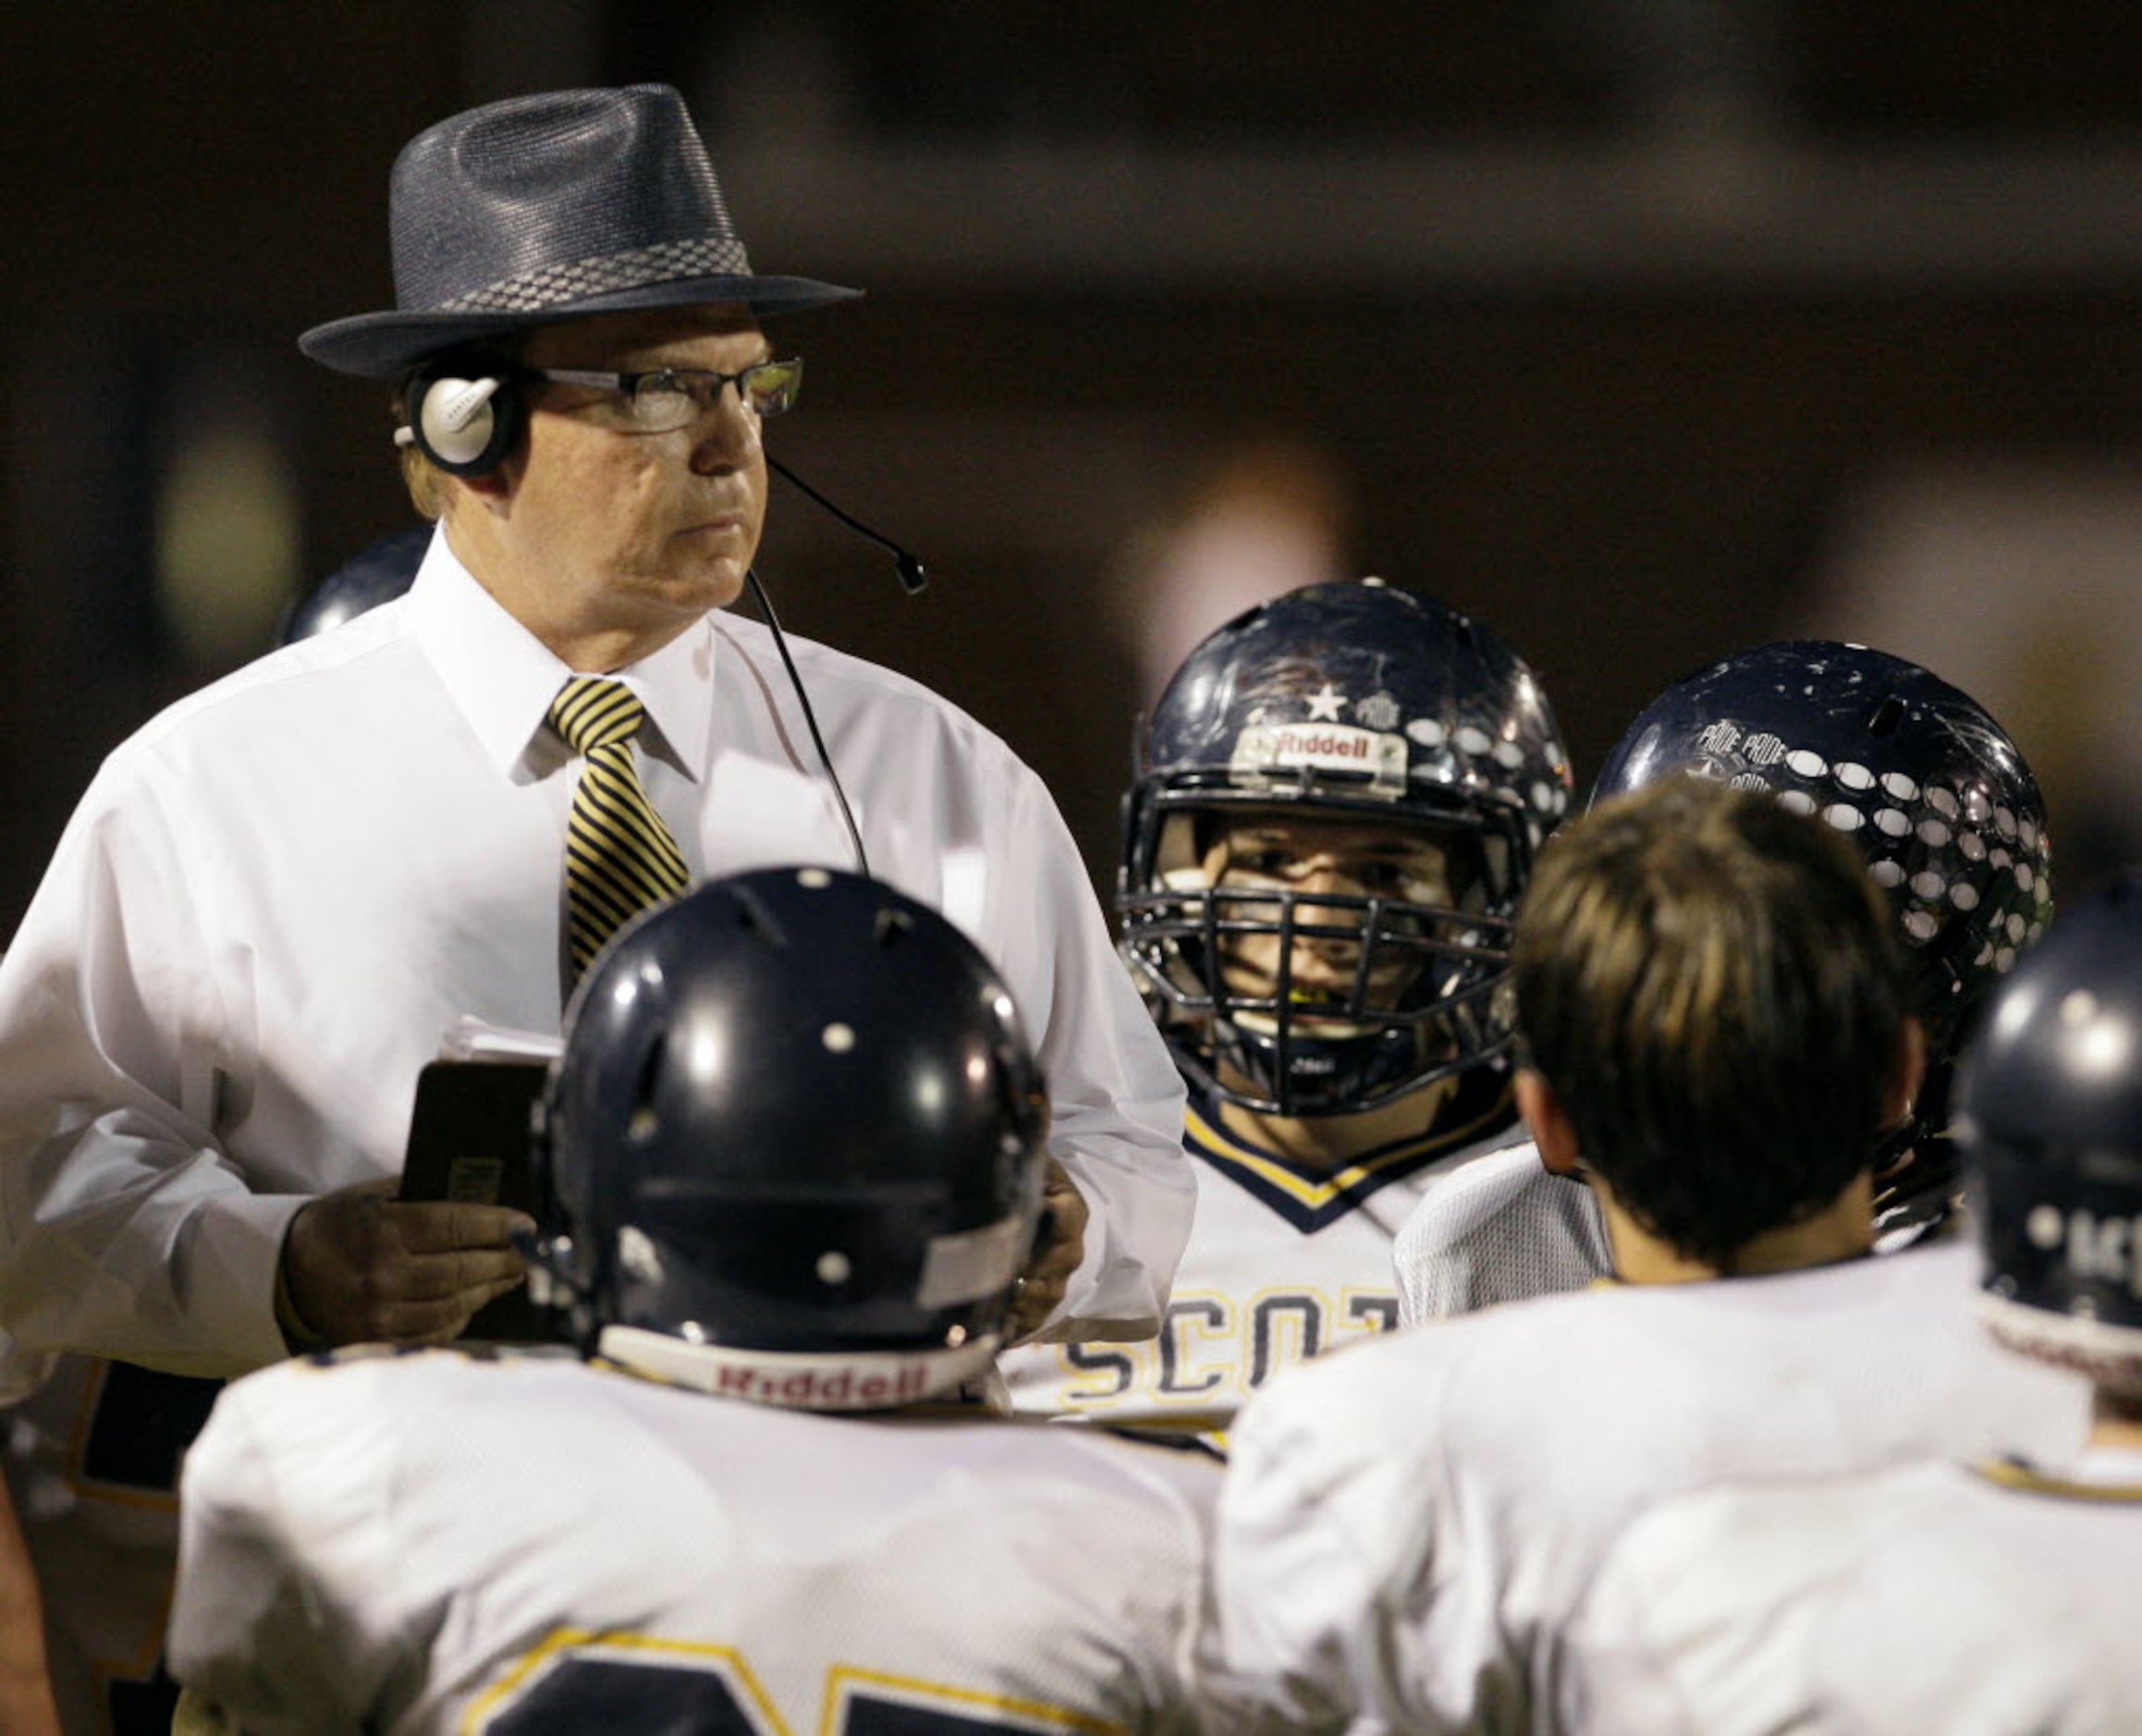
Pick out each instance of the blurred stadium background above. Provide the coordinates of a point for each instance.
(1646, 329)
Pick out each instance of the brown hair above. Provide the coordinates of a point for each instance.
(1710, 985)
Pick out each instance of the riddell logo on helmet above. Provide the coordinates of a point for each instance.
(1273, 750)
(1292, 747)
(852, 1389)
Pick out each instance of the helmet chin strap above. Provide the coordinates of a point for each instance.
(801, 1381)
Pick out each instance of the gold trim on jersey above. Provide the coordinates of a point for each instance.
(1312, 1198)
(843, 1684)
(913, 1690)
(524, 1673)
(1199, 1431)
(2014, 1473)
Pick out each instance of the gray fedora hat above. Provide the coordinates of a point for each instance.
(545, 208)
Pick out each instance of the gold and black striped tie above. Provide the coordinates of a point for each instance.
(619, 858)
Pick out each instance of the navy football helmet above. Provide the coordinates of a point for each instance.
(1915, 772)
(1352, 704)
(375, 574)
(794, 1146)
(2050, 1117)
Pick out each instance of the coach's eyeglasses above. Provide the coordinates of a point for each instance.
(662, 400)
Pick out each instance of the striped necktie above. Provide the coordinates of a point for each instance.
(619, 858)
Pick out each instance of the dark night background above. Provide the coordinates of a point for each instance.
(1644, 329)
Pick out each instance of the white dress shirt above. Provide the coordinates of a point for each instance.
(276, 898)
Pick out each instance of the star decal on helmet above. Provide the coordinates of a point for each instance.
(1326, 704)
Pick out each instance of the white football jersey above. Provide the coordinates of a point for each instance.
(1507, 1228)
(1499, 1230)
(1284, 1263)
(432, 1541)
(1406, 1525)
(91, 1459)
(1974, 1601)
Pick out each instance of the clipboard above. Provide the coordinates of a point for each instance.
(470, 1138)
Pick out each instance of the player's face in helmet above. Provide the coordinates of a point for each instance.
(1340, 797)
(1330, 962)
(1307, 889)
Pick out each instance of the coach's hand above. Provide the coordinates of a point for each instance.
(1041, 1286)
(361, 1266)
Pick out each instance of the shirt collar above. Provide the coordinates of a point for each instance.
(504, 678)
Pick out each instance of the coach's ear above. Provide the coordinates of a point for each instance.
(1549, 1128)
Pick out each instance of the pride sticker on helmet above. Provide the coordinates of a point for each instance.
(1278, 752)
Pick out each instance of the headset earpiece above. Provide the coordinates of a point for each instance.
(465, 425)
